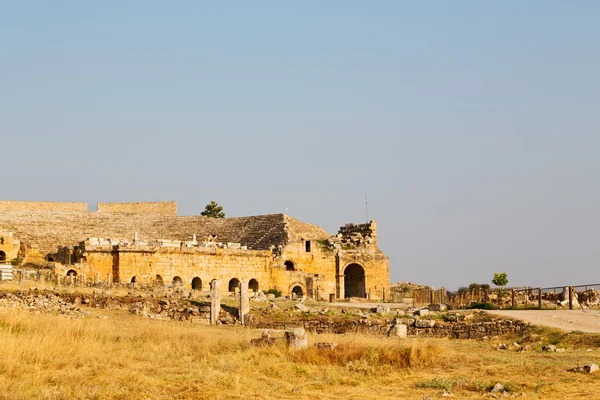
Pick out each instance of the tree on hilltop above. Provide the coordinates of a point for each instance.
(213, 210)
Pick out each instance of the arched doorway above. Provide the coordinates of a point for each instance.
(253, 285)
(196, 284)
(297, 291)
(177, 281)
(133, 279)
(158, 281)
(2, 256)
(71, 272)
(233, 285)
(354, 281)
(289, 266)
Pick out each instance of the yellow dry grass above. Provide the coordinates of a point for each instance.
(127, 357)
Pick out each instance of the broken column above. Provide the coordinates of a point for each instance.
(244, 301)
(215, 301)
(296, 338)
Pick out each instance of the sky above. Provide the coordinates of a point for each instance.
(473, 126)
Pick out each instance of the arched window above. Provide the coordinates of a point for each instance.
(197, 283)
(253, 285)
(289, 266)
(177, 281)
(71, 272)
(233, 284)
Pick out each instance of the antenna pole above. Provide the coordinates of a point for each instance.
(367, 206)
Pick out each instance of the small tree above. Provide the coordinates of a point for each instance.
(213, 210)
(500, 279)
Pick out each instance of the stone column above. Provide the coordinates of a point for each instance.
(215, 301)
(108, 279)
(97, 278)
(244, 301)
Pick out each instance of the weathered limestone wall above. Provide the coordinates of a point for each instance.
(314, 271)
(162, 208)
(146, 263)
(9, 246)
(377, 273)
(7, 205)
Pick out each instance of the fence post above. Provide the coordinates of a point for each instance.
(570, 297)
(513, 297)
(540, 298)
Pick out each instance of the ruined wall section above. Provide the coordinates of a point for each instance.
(298, 231)
(162, 208)
(7, 205)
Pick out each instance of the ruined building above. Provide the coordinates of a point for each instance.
(149, 243)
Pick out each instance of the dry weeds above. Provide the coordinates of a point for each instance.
(127, 357)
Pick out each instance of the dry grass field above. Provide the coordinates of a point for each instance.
(128, 357)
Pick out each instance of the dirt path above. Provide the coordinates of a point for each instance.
(575, 320)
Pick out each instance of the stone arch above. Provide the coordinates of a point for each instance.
(289, 265)
(159, 280)
(177, 281)
(2, 256)
(253, 285)
(133, 279)
(71, 272)
(234, 283)
(354, 281)
(196, 284)
(297, 291)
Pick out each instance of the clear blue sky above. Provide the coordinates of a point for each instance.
(473, 125)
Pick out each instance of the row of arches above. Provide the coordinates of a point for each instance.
(197, 283)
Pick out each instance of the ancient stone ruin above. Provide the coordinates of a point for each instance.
(149, 244)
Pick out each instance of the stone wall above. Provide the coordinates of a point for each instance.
(6, 205)
(454, 330)
(9, 246)
(162, 208)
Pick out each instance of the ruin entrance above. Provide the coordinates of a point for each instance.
(233, 285)
(297, 292)
(196, 284)
(133, 279)
(253, 285)
(354, 281)
(158, 281)
(2, 256)
(71, 272)
(177, 281)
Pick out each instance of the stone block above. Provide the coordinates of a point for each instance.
(425, 323)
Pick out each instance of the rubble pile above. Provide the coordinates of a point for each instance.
(45, 303)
